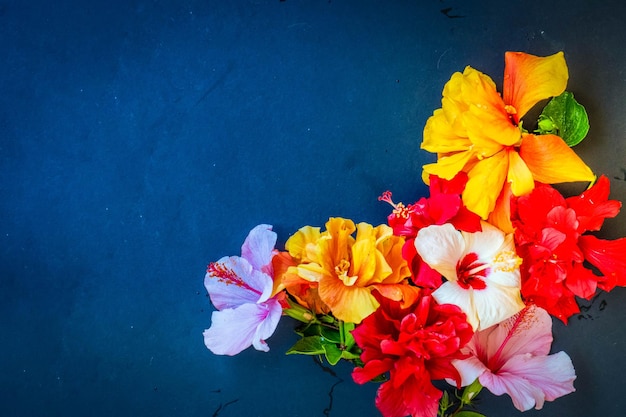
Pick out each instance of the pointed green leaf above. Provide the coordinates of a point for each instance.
(333, 353)
(309, 345)
(331, 335)
(565, 117)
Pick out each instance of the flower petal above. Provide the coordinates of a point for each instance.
(451, 293)
(235, 329)
(486, 180)
(441, 247)
(258, 248)
(551, 161)
(469, 369)
(531, 380)
(232, 281)
(519, 176)
(593, 205)
(608, 257)
(448, 166)
(496, 303)
(528, 79)
(530, 331)
(348, 303)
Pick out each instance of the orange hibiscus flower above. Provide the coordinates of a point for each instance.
(479, 132)
(343, 270)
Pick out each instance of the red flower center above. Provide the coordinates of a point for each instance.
(471, 272)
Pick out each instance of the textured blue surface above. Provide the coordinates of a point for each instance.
(140, 140)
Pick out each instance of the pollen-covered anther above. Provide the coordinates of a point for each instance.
(510, 109)
(399, 209)
(506, 261)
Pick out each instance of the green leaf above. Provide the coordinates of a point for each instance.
(565, 117)
(309, 345)
(348, 355)
(331, 335)
(333, 353)
(466, 413)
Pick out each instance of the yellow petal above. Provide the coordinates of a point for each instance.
(350, 304)
(519, 176)
(551, 161)
(335, 243)
(485, 183)
(500, 217)
(528, 79)
(440, 137)
(487, 122)
(296, 245)
(448, 166)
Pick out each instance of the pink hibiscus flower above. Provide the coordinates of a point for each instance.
(241, 288)
(513, 358)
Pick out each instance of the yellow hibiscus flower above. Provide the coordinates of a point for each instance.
(478, 131)
(345, 269)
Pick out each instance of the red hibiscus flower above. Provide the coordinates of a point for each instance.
(550, 238)
(415, 345)
(443, 206)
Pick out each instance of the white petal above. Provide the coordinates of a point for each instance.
(451, 293)
(494, 304)
(441, 247)
(485, 243)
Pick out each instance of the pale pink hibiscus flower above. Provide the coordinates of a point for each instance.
(513, 358)
(241, 288)
(481, 269)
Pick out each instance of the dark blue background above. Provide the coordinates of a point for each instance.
(142, 139)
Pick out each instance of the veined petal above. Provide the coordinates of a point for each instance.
(551, 161)
(530, 331)
(528, 79)
(532, 380)
(266, 328)
(233, 330)
(231, 282)
(486, 180)
(469, 369)
(258, 248)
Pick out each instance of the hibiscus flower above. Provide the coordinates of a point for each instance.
(345, 270)
(513, 358)
(241, 288)
(481, 268)
(550, 235)
(444, 205)
(415, 345)
(479, 132)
